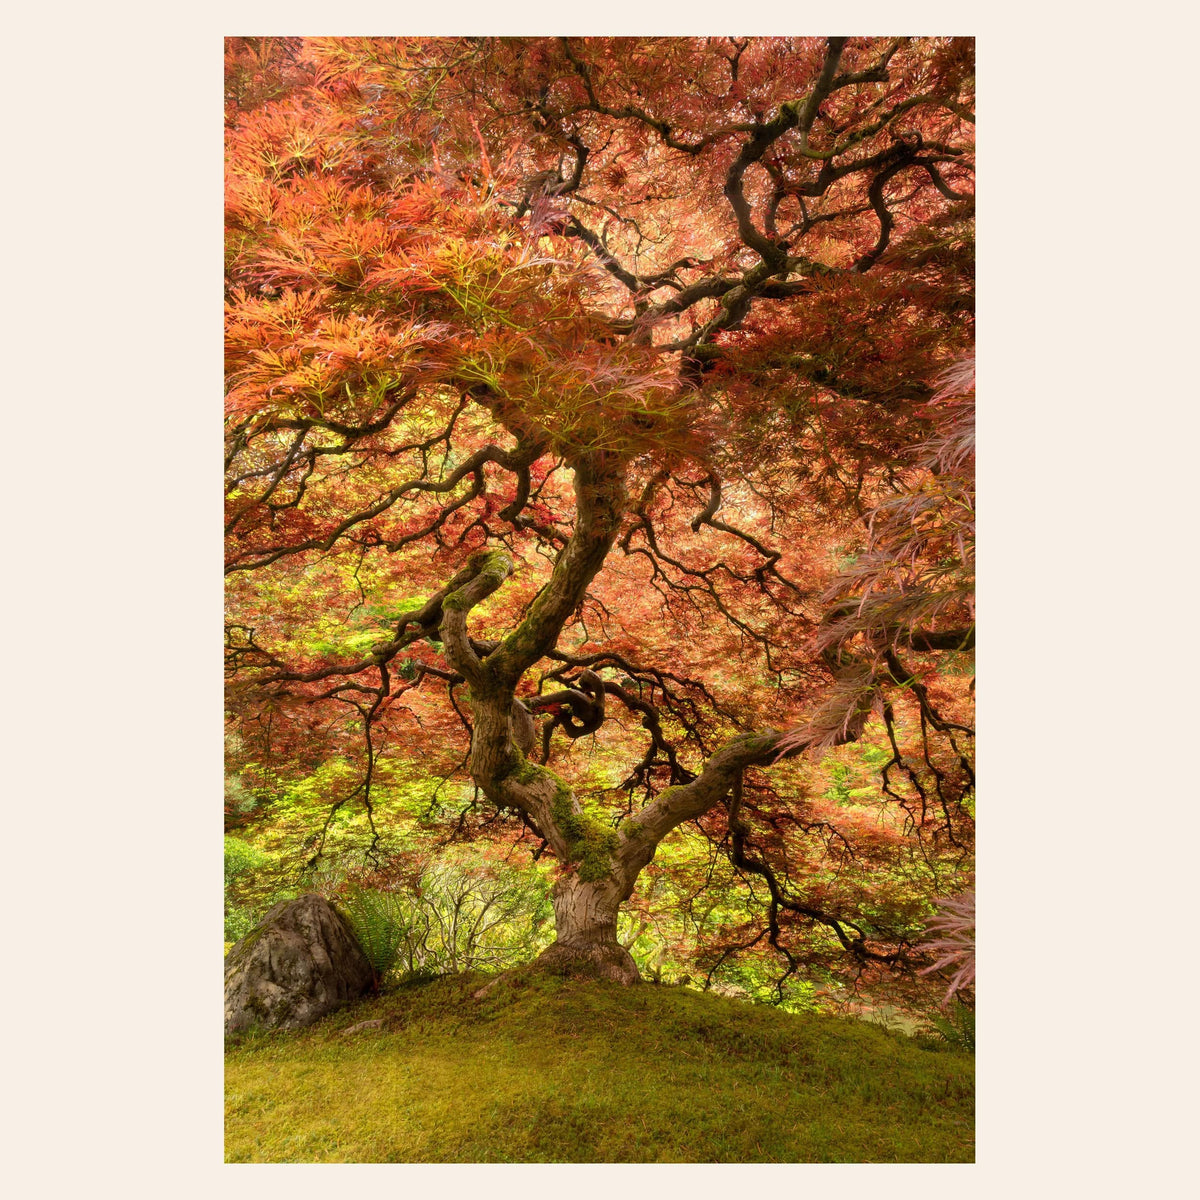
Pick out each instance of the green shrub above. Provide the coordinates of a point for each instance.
(240, 857)
(239, 920)
(452, 917)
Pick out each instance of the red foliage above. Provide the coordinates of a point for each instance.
(465, 276)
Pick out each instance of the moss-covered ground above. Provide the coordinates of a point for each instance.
(550, 1070)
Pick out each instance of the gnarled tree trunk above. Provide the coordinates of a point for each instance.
(585, 917)
(600, 863)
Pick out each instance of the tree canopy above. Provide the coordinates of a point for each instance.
(600, 448)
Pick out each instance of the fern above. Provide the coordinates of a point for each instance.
(955, 1025)
(378, 921)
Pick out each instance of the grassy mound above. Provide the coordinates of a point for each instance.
(548, 1070)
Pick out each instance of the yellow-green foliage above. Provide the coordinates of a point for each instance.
(545, 1070)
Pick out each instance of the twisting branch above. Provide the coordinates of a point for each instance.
(792, 115)
(517, 460)
(739, 829)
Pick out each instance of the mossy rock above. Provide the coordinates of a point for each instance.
(301, 962)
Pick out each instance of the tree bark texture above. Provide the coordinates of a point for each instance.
(585, 916)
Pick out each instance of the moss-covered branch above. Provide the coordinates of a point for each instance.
(600, 504)
(577, 839)
(488, 570)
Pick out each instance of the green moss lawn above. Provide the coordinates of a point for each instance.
(547, 1070)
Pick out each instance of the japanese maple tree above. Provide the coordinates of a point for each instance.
(626, 381)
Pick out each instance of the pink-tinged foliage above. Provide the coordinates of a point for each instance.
(954, 943)
(914, 578)
(956, 381)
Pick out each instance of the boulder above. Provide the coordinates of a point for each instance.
(301, 962)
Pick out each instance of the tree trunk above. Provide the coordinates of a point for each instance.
(585, 916)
